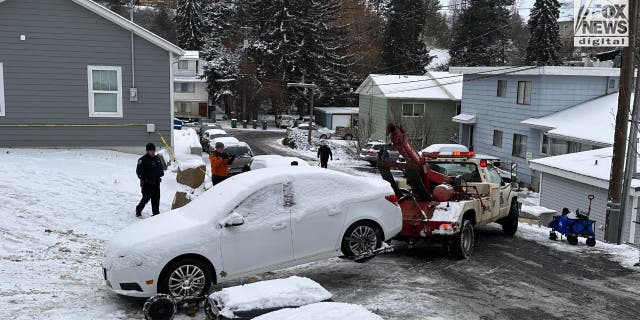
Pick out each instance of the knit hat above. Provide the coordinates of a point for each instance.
(151, 146)
(219, 145)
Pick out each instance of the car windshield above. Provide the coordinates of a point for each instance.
(468, 171)
(374, 146)
(238, 151)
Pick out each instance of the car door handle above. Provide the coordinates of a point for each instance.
(334, 212)
(278, 226)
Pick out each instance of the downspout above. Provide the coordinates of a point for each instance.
(634, 217)
(133, 55)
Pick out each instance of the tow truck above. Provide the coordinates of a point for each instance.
(452, 192)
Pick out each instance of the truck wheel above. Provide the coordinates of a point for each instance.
(361, 238)
(591, 242)
(461, 245)
(510, 223)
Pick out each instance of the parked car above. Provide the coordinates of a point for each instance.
(243, 154)
(285, 121)
(347, 133)
(316, 132)
(210, 135)
(252, 223)
(275, 161)
(371, 152)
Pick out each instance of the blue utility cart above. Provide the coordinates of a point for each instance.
(572, 228)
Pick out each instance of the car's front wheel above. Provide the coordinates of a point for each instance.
(186, 278)
(361, 238)
(324, 136)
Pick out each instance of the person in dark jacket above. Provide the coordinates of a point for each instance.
(150, 172)
(324, 152)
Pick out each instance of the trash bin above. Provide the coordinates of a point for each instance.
(244, 124)
(264, 124)
(234, 123)
(255, 124)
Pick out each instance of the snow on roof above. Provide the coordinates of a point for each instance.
(290, 292)
(592, 121)
(431, 86)
(445, 148)
(539, 71)
(589, 167)
(465, 118)
(188, 79)
(322, 311)
(340, 110)
(190, 55)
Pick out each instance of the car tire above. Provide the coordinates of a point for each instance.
(461, 245)
(186, 277)
(348, 137)
(510, 223)
(324, 136)
(361, 237)
(373, 163)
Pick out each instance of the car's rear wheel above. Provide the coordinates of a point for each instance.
(510, 223)
(186, 278)
(324, 136)
(361, 238)
(461, 245)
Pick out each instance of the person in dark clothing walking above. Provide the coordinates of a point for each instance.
(324, 152)
(150, 172)
(220, 162)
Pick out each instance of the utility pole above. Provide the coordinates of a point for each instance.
(245, 47)
(313, 88)
(614, 215)
(632, 158)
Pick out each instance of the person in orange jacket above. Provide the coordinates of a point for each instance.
(220, 162)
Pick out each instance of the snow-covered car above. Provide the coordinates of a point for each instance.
(316, 132)
(243, 154)
(209, 135)
(252, 223)
(275, 161)
(255, 299)
(285, 121)
(322, 311)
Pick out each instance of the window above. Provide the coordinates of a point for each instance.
(494, 176)
(544, 148)
(183, 65)
(105, 91)
(458, 108)
(612, 83)
(263, 205)
(497, 138)
(184, 87)
(413, 109)
(519, 146)
(1, 91)
(467, 170)
(502, 88)
(524, 92)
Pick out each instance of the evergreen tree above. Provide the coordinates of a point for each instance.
(436, 29)
(163, 24)
(189, 24)
(544, 45)
(519, 38)
(404, 52)
(117, 6)
(220, 22)
(481, 34)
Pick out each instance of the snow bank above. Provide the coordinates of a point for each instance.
(322, 311)
(183, 141)
(290, 292)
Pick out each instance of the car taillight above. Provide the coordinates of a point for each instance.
(370, 152)
(392, 198)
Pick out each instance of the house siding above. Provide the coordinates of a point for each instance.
(549, 94)
(437, 124)
(46, 77)
(374, 108)
(558, 192)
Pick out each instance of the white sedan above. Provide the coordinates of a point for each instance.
(316, 132)
(252, 223)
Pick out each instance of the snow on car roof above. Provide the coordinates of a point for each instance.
(215, 131)
(226, 140)
(279, 293)
(273, 161)
(322, 311)
(445, 148)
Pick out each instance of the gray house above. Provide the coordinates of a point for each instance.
(74, 74)
(496, 102)
(567, 180)
(423, 105)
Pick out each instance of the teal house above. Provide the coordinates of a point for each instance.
(423, 105)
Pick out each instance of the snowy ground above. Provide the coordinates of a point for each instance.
(60, 206)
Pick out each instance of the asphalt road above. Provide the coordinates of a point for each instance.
(507, 278)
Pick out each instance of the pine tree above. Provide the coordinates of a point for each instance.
(481, 34)
(163, 24)
(436, 29)
(189, 24)
(404, 52)
(220, 22)
(544, 45)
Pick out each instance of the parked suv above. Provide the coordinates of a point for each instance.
(371, 151)
(285, 121)
(243, 154)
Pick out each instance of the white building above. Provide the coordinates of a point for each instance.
(191, 98)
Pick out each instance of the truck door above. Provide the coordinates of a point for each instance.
(498, 189)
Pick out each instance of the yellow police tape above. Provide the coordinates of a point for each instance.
(164, 141)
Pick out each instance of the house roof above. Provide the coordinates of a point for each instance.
(340, 110)
(128, 25)
(589, 167)
(539, 71)
(191, 55)
(431, 86)
(592, 121)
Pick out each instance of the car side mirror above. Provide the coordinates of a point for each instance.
(233, 220)
(515, 185)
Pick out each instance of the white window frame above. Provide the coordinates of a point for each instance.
(413, 109)
(183, 62)
(2, 105)
(92, 112)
